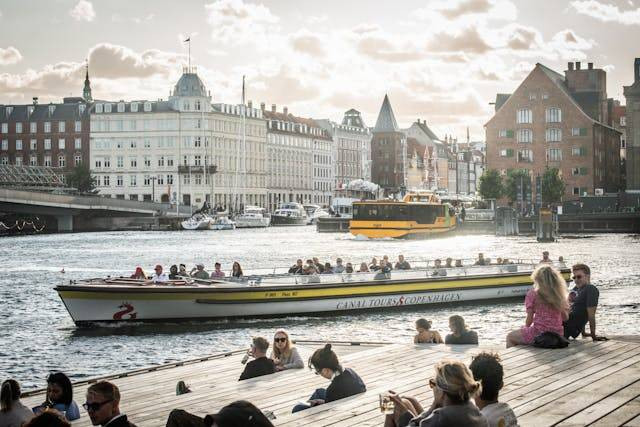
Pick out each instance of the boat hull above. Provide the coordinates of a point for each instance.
(252, 222)
(278, 220)
(399, 229)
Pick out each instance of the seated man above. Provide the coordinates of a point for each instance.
(217, 272)
(480, 260)
(296, 268)
(261, 365)
(487, 369)
(384, 272)
(158, 276)
(584, 301)
(545, 258)
(103, 405)
(449, 263)
(199, 273)
(402, 263)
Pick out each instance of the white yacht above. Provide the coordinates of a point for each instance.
(198, 221)
(253, 217)
(223, 223)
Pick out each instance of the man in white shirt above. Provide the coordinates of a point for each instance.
(487, 369)
(159, 276)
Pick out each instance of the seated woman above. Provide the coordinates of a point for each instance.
(363, 268)
(236, 270)
(12, 411)
(60, 397)
(546, 304)
(459, 332)
(139, 274)
(452, 388)
(284, 354)
(344, 381)
(384, 272)
(425, 335)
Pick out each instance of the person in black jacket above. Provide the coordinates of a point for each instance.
(103, 405)
(344, 381)
(261, 365)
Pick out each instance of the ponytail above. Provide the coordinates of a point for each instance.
(9, 393)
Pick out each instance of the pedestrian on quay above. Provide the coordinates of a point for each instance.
(47, 418)
(59, 397)
(103, 405)
(487, 369)
(284, 354)
(12, 411)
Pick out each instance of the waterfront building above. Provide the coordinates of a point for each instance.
(300, 157)
(436, 158)
(416, 165)
(183, 150)
(557, 121)
(388, 152)
(352, 142)
(632, 96)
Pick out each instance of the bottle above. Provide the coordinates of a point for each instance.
(245, 358)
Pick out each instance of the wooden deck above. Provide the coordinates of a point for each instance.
(586, 384)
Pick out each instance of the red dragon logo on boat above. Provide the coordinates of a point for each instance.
(127, 312)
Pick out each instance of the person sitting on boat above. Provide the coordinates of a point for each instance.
(173, 272)
(60, 397)
(499, 261)
(183, 271)
(459, 332)
(327, 268)
(402, 263)
(545, 258)
(374, 265)
(449, 263)
(318, 264)
(12, 411)
(458, 263)
(260, 365)
(453, 387)
(236, 270)
(313, 274)
(480, 260)
(103, 405)
(487, 369)
(345, 382)
(159, 276)
(384, 272)
(425, 335)
(296, 268)
(339, 268)
(217, 272)
(487, 261)
(363, 268)
(437, 268)
(284, 354)
(139, 274)
(199, 273)
(546, 304)
(349, 268)
(385, 258)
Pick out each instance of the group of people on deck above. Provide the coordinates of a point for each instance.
(178, 272)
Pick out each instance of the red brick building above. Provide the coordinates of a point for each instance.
(388, 151)
(557, 121)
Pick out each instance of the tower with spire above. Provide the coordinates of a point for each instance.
(86, 92)
(388, 151)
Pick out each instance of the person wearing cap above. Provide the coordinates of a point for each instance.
(159, 276)
(199, 273)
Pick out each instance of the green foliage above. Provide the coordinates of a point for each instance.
(514, 177)
(81, 179)
(491, 186)
(552, 186)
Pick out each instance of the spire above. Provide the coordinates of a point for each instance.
(386, 120)
(86, 92)
(467, 135)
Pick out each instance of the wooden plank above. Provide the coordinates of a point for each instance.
(621, 415)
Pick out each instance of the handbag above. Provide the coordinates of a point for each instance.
(550, 340)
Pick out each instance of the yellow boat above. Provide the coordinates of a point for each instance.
(419, 214)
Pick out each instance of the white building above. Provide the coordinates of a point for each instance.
(170, 151)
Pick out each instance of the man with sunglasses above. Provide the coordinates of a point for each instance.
(584, 301)
(103, 405)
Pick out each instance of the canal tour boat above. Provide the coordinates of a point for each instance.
(419, 214)
(122, 299)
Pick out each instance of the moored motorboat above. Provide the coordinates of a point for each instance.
(289, 214)
(199, 221)
(223, 222)
(107, 300)
(253, 217)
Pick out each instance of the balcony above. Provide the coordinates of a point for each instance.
(211, 169)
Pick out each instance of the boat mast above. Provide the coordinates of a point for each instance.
(244, 146)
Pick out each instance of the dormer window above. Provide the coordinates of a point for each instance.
(99, 108)
(81, 108)
(52, 108)
(185, 106)
(147, 106)
(9, 111)
(29, 110)
(107, 108)
(134, 107)
(120, 107)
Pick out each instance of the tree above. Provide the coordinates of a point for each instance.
(515, 177)
(552, 186)
(81, 179)
(491, 186)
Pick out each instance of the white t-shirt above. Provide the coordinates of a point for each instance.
(500, 414)
(163, 277)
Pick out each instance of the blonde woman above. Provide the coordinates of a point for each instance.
(453, 387)
(546, 304)
(284, 354)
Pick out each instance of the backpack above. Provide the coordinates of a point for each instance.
(550, 340)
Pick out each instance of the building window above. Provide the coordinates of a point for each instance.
(197, 142)
(120, 107)
(147, 161)
(107, 162)
(47, 127)
(197, 160)
(133, 179)
(525, 156)
(47, 160)
(525, 135)
(169, 161)
(147, 180)
(161, 161)
(147, 106)
(52, 108)
(61, 144)
(78, 126)
(61, 127)
(524, 116)
(578, 131)
(186, 179)
(18, 161)
(160, 179)
(134, 107)
(47, 144)
(33, 161)
(553, 115)
(198, 124)
(77, 144)
(33, 144)
(18, 127)
(119, 162)
(119, 181)
(553, 135)
(33, 127)
(81, 108)
(98, 163)
(579, 171)
(99, 108)
(147, 143)
(198, 104)
(107, 108)
(77, 159)
(5, 144)
(105, 181)
(170, 179)
(62, 161)
(555, 154)
(532, 96)
(578, 151)
(198, 179)
(5, 128)
(505, 133)
(4, 160)
(506, 152)
(18, 145)
(133, 162)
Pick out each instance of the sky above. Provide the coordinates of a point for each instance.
(442, 61)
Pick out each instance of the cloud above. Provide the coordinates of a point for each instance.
(143, 20)
(10, 55)
(380, 47)
(568, 45)
(468, 40)
(606, 12)
(283, 87)
(114, 62)
(308, 43)
(453, 10)
(234, 21)
(83, 11)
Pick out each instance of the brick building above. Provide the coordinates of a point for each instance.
(557, 121)
(388, 151)
(632, 95)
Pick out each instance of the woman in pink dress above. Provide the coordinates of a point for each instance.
(546, 304)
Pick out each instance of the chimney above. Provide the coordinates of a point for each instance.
(636, 68)
(570, 66)
(577, 65)
(590, 65)
(273, 108)
(35, 99)
(250, 104)
(262, 106)
(285, 110)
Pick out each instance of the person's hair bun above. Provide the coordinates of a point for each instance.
(327, 347)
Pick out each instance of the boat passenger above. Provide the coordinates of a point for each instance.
(425, 335)
(499, 261)
(158, 276)
(236, 270)
(327, 268)
(318, 265)
(173, 272)
(385, 258)
(284, 354)
(459, 332)
(59, 397)
(199, 273)
(313, 275)
(339, 268)
(458, 263)
(363, 268)
(12, 411)
(260, 365)
(139, 274)
(487, 261)
(546, 304)
(183, 271)
(217, 273)
(437, 267)
(103, 405)
(449, 263)
(344, 381)
(453, 387)
(545, 258)
(402, 263)
(487, 369)
(480, 260)
(384, 272)
(374, 265)
(349, 268)
(296, 268)
(584, 302)
(47, 418)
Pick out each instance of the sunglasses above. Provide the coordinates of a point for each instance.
(94, 406)
(577, 276)
(280, 339)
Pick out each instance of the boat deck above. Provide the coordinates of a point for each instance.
(585, 384)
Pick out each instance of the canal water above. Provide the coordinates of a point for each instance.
(37, 335)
